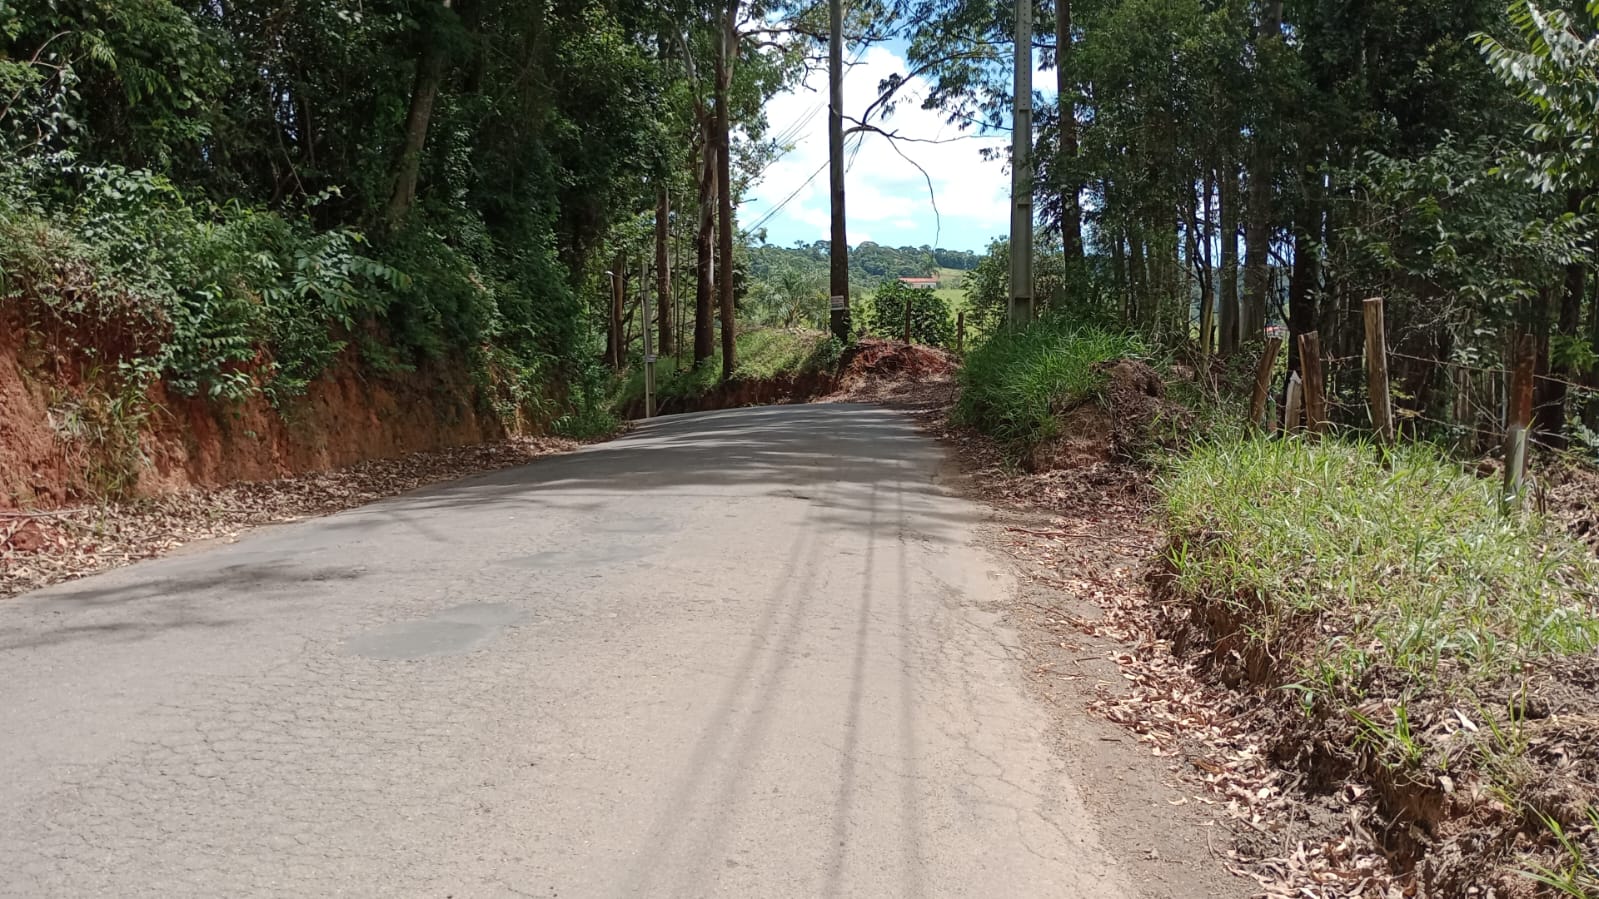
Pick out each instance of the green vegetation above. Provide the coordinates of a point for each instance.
(882, 314)
(869, 263)
(1015, 385)
(1340, 559)
(1418, 627)
(236, 199)
(788, 285)
(763, 353)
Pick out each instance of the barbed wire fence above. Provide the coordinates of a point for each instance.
(1488, 406)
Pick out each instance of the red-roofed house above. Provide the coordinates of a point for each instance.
(920, 283)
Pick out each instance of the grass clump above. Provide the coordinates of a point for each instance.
(1431, 646)
(1340, 558)
(1016, 383)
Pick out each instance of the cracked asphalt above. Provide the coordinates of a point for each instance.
(747, 654)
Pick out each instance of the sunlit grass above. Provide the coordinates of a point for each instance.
(1014, 385)
(1344, 558)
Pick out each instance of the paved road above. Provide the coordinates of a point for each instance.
(744, 654)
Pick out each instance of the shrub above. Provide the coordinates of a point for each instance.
(930, 319)
(1016, 383)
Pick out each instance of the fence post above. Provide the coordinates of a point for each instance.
(1296, 395)
(1315, 388)
(1268, 361)
(1520, 416)
(1515, 465)
(908, 317)
(1462, 411)
(1522, 382)
(960, 332)
(1382, 403)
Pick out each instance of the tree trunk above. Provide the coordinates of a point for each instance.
(1200, 266)
(1228, 320)
(1590, 415)
(724, 185)
(1302, 313)
(1071, 218)
(704, 244)
(424, 92)
(1258, 228)
(1552, 393)
(663, 272)
(1138, 295)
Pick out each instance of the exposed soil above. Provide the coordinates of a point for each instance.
(1132, 415)
(869, 371)
(66, 437)
(781, 390)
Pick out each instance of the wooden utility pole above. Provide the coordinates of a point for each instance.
(1268, 361)
(1021, 172)
(838, 245)
(1382, 403)
(1315, 386)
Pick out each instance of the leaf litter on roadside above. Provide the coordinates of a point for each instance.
(1097, 547)
(39, 548)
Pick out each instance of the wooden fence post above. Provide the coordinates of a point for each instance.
(1315, 387)
(1522, 382)
(1268, 361)
(1520, 418)
(1382, 403)
(1462, 411)
(1296, 394)
(960, 332)
(1515, 465)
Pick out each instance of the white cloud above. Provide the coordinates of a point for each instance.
(882, 189)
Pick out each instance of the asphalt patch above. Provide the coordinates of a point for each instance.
(450, 632)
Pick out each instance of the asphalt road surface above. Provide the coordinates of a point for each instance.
(743, 654)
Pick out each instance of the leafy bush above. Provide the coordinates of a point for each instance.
(884, 315)
(1015, 383)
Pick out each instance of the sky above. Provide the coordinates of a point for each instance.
(886, 198)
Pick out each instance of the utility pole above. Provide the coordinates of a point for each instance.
(1021, 174)
(838, 247)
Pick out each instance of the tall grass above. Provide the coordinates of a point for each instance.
(1342, 558)
(1015, 383)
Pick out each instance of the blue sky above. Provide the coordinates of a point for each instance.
(887, 199)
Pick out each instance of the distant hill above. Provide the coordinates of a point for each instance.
(869, 263)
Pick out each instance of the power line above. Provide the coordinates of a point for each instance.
(804, 184)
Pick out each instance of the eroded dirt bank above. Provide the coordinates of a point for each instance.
(67, 434)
